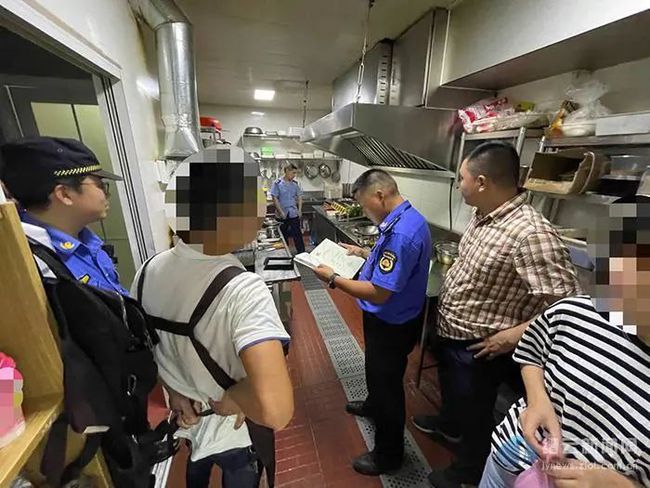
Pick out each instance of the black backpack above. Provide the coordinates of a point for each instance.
(262, 438)
(109, 371)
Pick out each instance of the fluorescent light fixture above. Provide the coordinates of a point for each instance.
(264, 94)
(258, 114)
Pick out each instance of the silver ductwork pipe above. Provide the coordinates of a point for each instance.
(176, 75)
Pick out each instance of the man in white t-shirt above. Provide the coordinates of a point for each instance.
(215, 205)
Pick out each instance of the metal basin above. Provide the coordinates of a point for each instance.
(446, 251)
(367, 230)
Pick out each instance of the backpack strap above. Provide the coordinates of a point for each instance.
(262, 438)
(140, 284)
(51, 259)
(218, 283)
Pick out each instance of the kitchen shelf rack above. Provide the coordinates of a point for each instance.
(302, 157)
(283, 147)
(593, 198)
(274, 137)
(519, 137)
(620, 140)
(623, 141)
(504, 134)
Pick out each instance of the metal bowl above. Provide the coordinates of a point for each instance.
(446, 251)
(367, 230)
(253, 131)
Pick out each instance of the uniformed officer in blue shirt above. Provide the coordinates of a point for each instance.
(61, 187)
(391, 290)
(287, 196)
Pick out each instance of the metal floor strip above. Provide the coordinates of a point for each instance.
(348, 360)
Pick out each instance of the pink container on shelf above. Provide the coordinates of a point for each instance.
(12, 422)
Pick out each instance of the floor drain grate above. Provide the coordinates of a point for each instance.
(348, 360)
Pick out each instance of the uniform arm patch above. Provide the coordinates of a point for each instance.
(387, 261)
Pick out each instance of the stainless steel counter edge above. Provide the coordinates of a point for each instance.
(275, 276)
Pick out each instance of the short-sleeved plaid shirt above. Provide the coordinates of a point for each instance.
(509, 261)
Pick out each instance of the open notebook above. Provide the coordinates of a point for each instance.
(334, 256)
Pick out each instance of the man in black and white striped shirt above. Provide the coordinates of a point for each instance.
(587, 407)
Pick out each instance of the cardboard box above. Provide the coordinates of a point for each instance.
(546, 168)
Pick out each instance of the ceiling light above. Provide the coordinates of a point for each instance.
(258, 114)
(264, 94)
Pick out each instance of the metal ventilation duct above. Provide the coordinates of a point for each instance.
(392, 136)
(403, 135)
(176, 75)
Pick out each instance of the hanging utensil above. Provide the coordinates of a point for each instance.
(324, 171)
(336, 175)
(311, 171)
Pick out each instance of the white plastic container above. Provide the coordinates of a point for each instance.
(579, 129)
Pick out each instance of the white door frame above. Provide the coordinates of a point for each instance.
(39, 27)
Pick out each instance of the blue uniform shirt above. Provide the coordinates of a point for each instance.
(287, 193)
(84, 257)
(399, 262)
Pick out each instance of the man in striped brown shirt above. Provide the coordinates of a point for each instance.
(511, 265)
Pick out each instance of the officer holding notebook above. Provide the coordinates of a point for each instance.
(391, 290)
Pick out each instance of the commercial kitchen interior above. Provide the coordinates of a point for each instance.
(107, 72)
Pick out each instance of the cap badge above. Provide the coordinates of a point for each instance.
(67, 245)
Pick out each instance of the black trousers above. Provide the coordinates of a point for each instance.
(469, 389)
(239, 469)
(290, 228)
(387, 350)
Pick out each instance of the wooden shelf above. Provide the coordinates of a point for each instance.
(40, 413)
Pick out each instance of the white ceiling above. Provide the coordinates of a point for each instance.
(246, 44)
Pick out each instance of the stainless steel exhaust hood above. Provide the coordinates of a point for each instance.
(390, 136)
(397, 136)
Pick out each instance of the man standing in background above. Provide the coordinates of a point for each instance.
(287, 197)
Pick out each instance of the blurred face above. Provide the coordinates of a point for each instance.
(88, 204)
(472, 188)
(373, 202)
(622, 281)
(290, 174)
(628, 291)
(216, 207)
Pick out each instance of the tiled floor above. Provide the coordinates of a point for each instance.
(317, 448)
